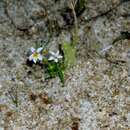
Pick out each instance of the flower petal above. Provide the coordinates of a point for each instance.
(31, 57)
(39, 49)
(40, 57)
(57, 53)
(51, 58)
(35, 60)
(32, 49)
(60, 57)
(56, 60)
(52, 53)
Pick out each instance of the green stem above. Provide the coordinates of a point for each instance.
(60, 73)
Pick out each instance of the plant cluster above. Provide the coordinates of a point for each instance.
(55, 64)
(52, 61)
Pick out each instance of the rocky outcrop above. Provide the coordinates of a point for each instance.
(96, 92)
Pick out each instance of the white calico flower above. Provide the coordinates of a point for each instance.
(55, 56)
(35, 56)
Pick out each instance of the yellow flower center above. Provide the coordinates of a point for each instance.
(45, 52)
(35, 55)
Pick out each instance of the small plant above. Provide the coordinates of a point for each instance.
(52, 62)
(69, 49)
(12, 94)
(69, 54)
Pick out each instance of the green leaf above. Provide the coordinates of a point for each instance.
(55, 69)
(60, 72)
(69, 54)
(51, 69)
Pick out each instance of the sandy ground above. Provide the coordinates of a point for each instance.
(96, 95)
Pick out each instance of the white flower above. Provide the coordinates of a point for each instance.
(55, 56)
(35, 56)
